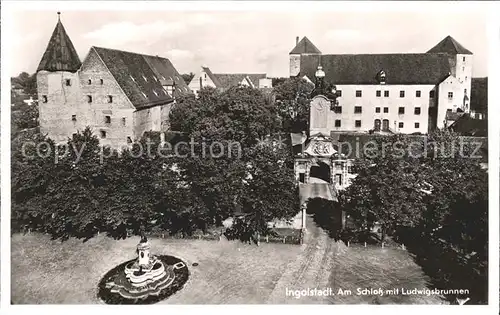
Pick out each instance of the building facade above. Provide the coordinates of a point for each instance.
(394, 93)
(118, 94)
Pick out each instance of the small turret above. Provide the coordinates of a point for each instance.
(60, 54)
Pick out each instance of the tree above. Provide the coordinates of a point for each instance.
(26, 82)
(187, 77)
(241, 119)
(292, 102)
(25, 116)
(433, 193)
(269, 191)
(240, 114)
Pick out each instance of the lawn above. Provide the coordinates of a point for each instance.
(51, 272)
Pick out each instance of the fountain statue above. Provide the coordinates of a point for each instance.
(146, 275)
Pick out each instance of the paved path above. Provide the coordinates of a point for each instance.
(312, 267)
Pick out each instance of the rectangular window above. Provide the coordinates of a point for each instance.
(463, 59)
(401, 124)
(89, 98)
(337, 123)
(337, 109)
(103, 134)
(417, 110)
(401, 93)
(449, 110)
(44, 98)
(401, 110)
(338, 179)
(102, 81)
(417, 125)
(68, 82)
(357, 123)
(107, 119)
(110, 98)
(450, 95)
(358, 93)
(386, 110)
(124, 121)
(357, 110)
(129, 140)
(90, 81)
(339, 93)
(386, 93)
(432, 93)
(379, 93)
(377, 109)
(73, 117)
(417, 94)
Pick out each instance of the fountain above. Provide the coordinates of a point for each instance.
(144, 280)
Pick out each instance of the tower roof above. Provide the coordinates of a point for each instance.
(305, 46)
(60, 54)
(451, 46)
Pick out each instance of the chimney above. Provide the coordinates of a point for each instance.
(296, 41)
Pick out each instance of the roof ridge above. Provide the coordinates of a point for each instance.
(239, 73)
(131, 52)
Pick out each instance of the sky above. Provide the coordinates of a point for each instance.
(246, 41)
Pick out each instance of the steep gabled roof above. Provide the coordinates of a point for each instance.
(365, 68)
(305, 46)
(227, 80)
(212, 77)
(142, 77)
(450, 46)
(60, 54)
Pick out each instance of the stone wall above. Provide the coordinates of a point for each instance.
(108, 99)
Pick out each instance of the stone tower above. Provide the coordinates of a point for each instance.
(302, 47)
(461, 61)
(58, 85)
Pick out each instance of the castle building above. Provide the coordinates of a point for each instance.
(119, 94)
(391, 93)
(223, 81)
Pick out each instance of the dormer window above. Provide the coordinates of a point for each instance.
(381, 77)
(143, 94)
(145, 79)
(132, 78)
(156, 93)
